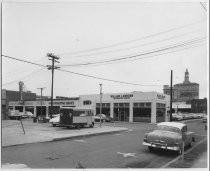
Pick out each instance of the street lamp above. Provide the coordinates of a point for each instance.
(100, 102)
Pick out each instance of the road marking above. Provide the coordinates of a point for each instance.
(80, 140)
(127, 154)
(14, 166)
(186, 152)
(117, 134)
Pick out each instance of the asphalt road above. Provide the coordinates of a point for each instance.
(121, 150)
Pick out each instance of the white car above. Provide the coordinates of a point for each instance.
(55, 121)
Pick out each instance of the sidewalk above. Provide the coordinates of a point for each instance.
(12, 132)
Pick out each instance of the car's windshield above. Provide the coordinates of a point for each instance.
(167, 128)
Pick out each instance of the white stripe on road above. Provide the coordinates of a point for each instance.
(117, 134)
(127, 154)
(80, 140)
(177, 158)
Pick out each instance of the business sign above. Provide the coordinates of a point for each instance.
(63, 103)
(160, 96)
(122, 96)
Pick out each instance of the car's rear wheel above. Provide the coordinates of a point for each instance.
(54, 125)
(151, 149)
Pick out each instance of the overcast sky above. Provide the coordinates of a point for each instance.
(143, 42)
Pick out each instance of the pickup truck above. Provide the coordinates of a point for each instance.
(169, 136)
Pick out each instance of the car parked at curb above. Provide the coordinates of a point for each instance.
(204, 120)
(169, 136)
(55, 121)
(103, 117)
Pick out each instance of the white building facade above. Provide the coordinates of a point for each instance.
(130, 107)
(135, 106)
(42, 107)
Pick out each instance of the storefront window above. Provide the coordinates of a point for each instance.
(87, 102)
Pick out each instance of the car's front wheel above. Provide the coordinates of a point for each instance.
(54, 125)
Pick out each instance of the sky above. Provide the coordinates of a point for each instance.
(142, 42)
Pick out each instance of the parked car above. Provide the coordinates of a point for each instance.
(99, 117)
(55, 121)
(177, 117)
(169, 136)
(103, 117)
(204, 119)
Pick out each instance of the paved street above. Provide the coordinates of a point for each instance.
(118, 150)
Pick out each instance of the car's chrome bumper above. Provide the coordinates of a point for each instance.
(174, 148)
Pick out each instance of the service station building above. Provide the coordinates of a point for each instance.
(134, 106)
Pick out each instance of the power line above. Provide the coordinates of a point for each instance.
(95, 77)
(203, 6)
(141, 45)
(22, 78)
(146, 56)
(130, 41)
(24, 61)
(142, 54)
(106, 79)
(76, 73)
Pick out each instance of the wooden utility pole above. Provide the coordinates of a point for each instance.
(171, 94)
(54, 59)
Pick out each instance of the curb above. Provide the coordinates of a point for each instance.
(188, 151)
(87, 135)
(67, 137)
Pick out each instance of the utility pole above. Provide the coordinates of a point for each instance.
(171, 96)
(54, 59)
(100, 102)
(41, 97)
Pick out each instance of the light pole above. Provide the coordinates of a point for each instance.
(171, 96)
(41, 97)
(100, 102)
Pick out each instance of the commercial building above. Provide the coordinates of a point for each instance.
(9, 95)
(199, 105)
(43, 107)
(183, 92)
(128, 107)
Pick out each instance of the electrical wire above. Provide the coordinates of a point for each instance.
(76, 73)
(133, 47)
(22, 78)
(137, 55)
(203, 6)
(135, 40)
(147, 56)
(106, 79)
(24, 61)
(100, 78)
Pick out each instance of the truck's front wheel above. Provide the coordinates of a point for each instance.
(92, 125)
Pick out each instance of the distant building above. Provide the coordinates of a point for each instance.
(9, 95)
(183, 92)
(199, 105)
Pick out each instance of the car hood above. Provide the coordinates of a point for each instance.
(163, 137)
(56, 119)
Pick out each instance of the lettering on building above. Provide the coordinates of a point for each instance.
(160, 96)
(62, 103)
(122, 96)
